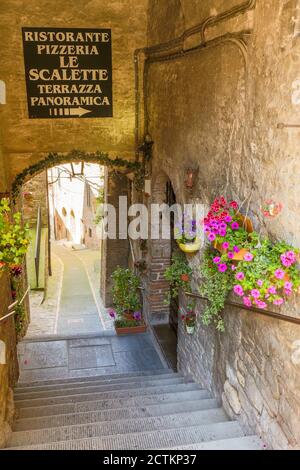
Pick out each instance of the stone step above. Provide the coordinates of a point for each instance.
(100, 380)
(127, 426)
(114, 414)
(142, 383)
(115, 403)
(26, 384)
(108, 394)
(236, 443)
(162, 438)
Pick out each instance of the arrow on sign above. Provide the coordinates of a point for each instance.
(79, 111)
(69, 111)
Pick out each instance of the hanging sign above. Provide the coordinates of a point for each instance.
(68, 72)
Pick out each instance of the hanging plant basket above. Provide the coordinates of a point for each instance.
(190, 248)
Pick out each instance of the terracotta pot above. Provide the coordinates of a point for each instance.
(133, 330)
(246, 222)
(237, 256)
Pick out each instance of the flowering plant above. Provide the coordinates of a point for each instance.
(179, 276)
(271, 277)
(186, 231)
(14, 239)
(265, 273)
(228, 229)
(189, 316)
(131, 319)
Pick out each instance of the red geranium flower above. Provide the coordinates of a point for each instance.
(185, 277)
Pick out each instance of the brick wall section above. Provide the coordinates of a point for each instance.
(8, 371)
(113, 252)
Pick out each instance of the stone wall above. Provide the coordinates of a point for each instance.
(8, 369)
(34, 194)
(28, 140)
(218, 108)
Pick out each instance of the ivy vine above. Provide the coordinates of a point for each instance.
(54, 159)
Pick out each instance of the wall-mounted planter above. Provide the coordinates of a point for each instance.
(190, 329)
(190, 248)
(131, 330)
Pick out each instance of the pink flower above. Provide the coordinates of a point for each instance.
(230, 255)
(222, 233)
(240, 276)
(235, 226)
(217, 260)
(247, 301)
(234, 205)
(261, 304)
(291, 255)
(233, 267)
(279, 301)
(288, 293)
(228, 219)
(236, 249)
(255, 293)
(248, 257)
(286, 261)
(288, 285)
(225, 245)
(260, 283)
(222, 268)
(211, 237)
(223, 226)
(279, 274)
(272, 290)
(238, 290)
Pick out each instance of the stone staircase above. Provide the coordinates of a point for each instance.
(142, 410)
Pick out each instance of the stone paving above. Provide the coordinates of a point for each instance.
(71, 357)
(72, 304)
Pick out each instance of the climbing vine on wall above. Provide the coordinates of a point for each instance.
(54, 159)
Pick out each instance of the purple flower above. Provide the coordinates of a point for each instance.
(137, 316)
(279, 301)
(279, 274)
(260, 283)
(247, 301)
(217, 260)
(240, 276)
(222, 233)
(291, 255)
(211, 237)
(255, 293)
(287, 292)
(233, 267)
(288, 285)
(236, 249)
(222, 268)
(248, 257)
(238, 290)
(225, 245)
(112, 313)
(286, 261)
(223, 226)
(230, 255)
(228, 219)
(235, 226)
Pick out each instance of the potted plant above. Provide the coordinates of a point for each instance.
(179, 276)
(126, 299)
(186, 236)
(228, 229)
(189, 319)
(267, 273)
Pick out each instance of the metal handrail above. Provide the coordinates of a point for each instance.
(37, 249)
(10, 314)
(266, 313)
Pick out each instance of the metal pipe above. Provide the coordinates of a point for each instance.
(266, 313)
